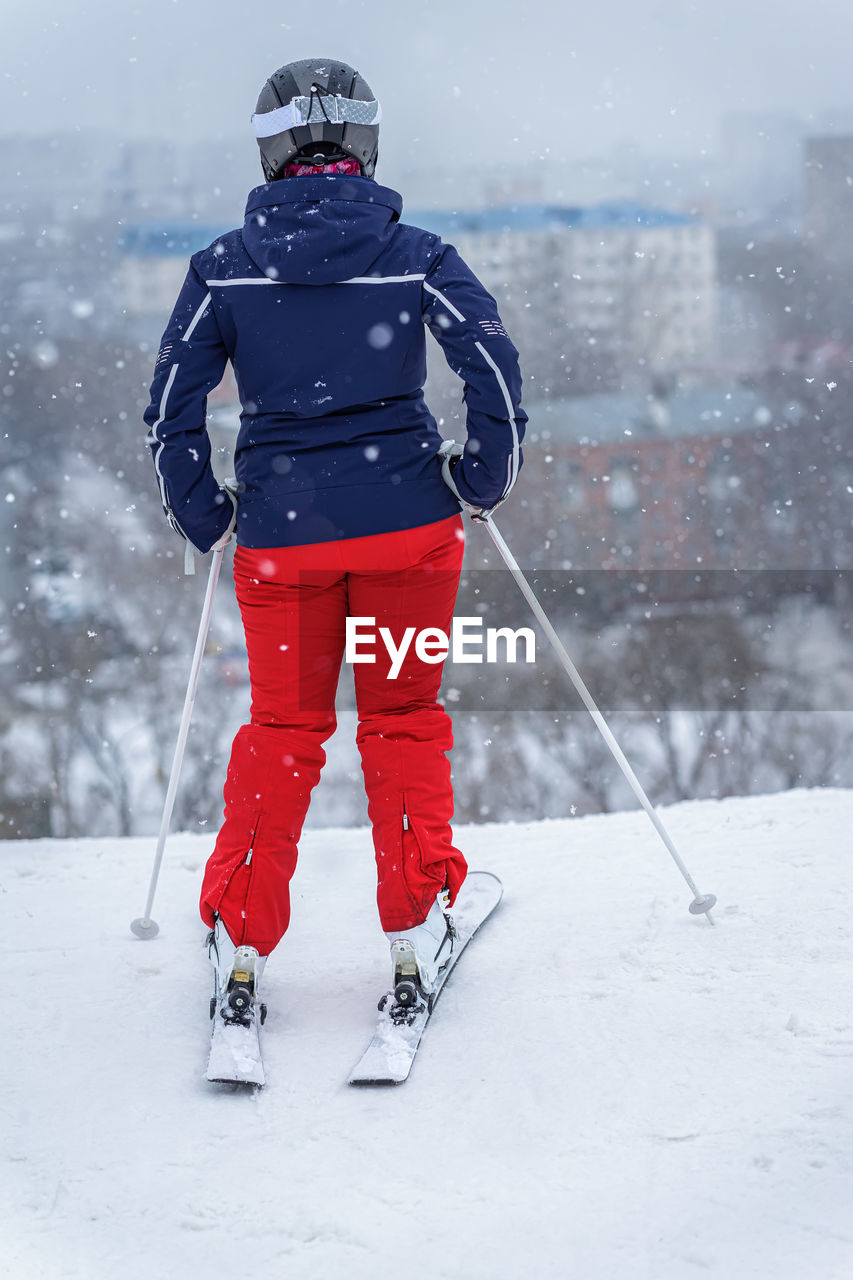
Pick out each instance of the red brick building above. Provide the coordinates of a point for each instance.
(706, 479)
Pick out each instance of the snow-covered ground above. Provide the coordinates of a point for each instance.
(610, 1087)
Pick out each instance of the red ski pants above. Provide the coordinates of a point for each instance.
(294, 602)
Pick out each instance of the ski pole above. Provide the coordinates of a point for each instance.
(144, 926)
(702, 902)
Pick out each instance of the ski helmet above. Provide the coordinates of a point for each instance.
(318, 106)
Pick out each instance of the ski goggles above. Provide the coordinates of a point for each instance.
(319, 108)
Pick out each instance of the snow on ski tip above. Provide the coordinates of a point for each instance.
(391, 1053)
(235, 1055)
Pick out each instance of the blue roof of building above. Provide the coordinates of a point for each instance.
(180, 239)
(541, 217)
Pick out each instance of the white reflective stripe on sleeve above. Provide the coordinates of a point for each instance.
(513, 475)
(501, 383)
(510, 408)
(198, 315)
(164, 400)
(450, 307)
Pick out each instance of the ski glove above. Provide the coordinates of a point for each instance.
(450, 454)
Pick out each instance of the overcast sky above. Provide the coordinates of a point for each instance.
(467, 79)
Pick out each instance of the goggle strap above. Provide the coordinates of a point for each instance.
(319, 108)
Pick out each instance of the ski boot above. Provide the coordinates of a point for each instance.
(418, 957)
(237, 974)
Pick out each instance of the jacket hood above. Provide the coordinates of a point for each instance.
(319, 229)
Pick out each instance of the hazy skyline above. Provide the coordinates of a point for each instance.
(460, 83)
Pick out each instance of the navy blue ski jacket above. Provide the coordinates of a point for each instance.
(320, 302)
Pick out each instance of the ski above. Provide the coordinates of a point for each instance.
(235, 1054)
(391, 1053)
(235, 1049)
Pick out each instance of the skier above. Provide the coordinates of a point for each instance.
(347, 502)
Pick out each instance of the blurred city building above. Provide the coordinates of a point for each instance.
(153, 258)
(829, 195)
(69, 176)
(687, 477)
(636, 284)
(760, 166)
